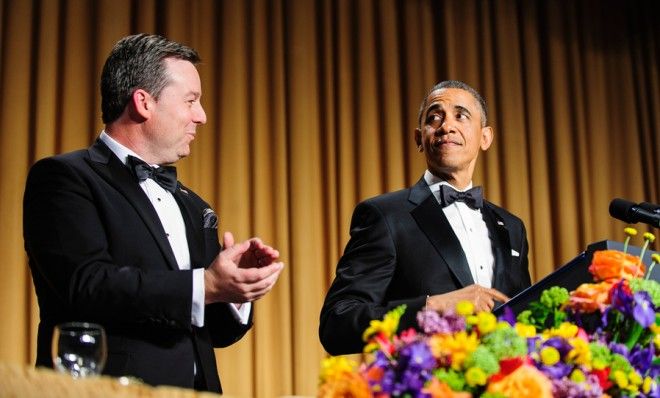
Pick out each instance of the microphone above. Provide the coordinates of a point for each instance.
(647, 213)
(653, 208)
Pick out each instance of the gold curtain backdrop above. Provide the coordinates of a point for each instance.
(312, 106)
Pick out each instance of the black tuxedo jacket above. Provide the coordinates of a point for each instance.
(98, 253)
(402, 248)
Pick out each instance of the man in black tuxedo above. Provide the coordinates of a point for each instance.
(113, 237)
(433, 244)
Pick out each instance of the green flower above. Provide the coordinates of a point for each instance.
(483, 359)
(475, 377)
(492, 395)
(554, 297)
(455, 380)
(600, 355)
(505, 343)
(619, 362)
(650, 286)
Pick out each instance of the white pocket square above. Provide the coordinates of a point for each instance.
(515, 253)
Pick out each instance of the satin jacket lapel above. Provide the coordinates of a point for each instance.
(194, 224)
(108, 167)
(433, 222)
(499, 236)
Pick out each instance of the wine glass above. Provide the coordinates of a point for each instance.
(79, 349)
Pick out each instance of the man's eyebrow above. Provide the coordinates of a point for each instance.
(462, 109)
(432, 108)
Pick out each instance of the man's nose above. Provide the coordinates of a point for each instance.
(199, 115)
(448, 125)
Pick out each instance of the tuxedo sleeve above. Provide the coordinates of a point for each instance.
(359, 292)
(74, 272)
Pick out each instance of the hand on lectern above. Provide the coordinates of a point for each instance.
(483, 298)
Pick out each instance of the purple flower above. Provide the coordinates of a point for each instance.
(387, 383)
(417, 356)
(618, 348)
(413, 381)
(621, 299)
(431, 322)
(642, 359)
(381, 360)
(643, 311)
(508, 316)
(559, 343)
(556, 371)
(566, 388)
(531, 343)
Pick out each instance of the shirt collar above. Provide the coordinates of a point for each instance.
(118, 149)
(434, 182)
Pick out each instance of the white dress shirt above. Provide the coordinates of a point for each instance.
(470, 228)
(170, 217)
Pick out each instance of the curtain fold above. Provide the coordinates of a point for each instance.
(311, 107)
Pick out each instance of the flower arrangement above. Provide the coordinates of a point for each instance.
(601, 340)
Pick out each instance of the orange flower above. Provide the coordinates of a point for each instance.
(347, 385)
(524, 382)
(438, 389)
(589, 297)
(613, 264)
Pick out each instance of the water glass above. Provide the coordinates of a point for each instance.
(79, 349)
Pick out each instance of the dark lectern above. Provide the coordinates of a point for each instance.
(571, 275)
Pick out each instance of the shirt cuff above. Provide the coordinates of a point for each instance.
(197, 311)
(241, 314)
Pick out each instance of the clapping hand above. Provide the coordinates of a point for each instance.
(242, 272)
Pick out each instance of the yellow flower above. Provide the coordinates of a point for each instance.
(524, 382)
(654, 328)
(630, 231)
(648, 383)
(525, 330)
(471, 320)
(580, 353)
(655, 257)
(387, 326)
(333, 367)
(565, 330)
(475, 377)
(649, 236)
(578, 376)
(338, 379)
(550, 356)
(504, 325)
(457, 347)
(620, 378)
(486, 322)
(464, 308)
(635, 378)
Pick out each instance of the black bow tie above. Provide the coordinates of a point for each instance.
(474, 198)
(165, 176)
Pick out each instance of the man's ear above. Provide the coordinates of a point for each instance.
(418, 139)
(486, 137)
(141, 104)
